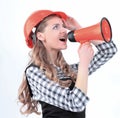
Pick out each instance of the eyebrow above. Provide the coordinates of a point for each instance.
(58, 24)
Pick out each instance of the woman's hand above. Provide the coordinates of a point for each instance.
(86, 53)
(71, 24)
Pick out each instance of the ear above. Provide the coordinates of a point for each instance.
(40, 36)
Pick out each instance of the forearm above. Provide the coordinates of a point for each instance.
(85, 52)
(82, 78)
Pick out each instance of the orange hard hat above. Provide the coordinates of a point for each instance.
(35, 18)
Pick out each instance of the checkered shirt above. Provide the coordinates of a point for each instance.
(52, 93)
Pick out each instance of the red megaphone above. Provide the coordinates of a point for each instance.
(99, 31)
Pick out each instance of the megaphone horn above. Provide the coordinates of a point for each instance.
(99, 31)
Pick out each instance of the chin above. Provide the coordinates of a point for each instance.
(64, 48)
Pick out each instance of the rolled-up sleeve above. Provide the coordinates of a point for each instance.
(105, 52)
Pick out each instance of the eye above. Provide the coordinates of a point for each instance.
(56, 26)
(64, 25)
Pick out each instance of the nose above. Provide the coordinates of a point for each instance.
(63, 29)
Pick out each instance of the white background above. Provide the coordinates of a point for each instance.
(104, 84)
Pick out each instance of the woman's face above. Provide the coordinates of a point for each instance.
(54, 36)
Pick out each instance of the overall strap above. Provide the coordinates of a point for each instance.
(27, 79)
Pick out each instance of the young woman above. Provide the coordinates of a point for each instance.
(60, 88)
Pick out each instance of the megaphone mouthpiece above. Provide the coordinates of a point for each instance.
(71, 36)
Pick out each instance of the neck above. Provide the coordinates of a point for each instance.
(52, 56)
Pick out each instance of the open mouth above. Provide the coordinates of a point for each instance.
(62, 39)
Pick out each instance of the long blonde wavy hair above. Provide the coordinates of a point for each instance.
(39, 57)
